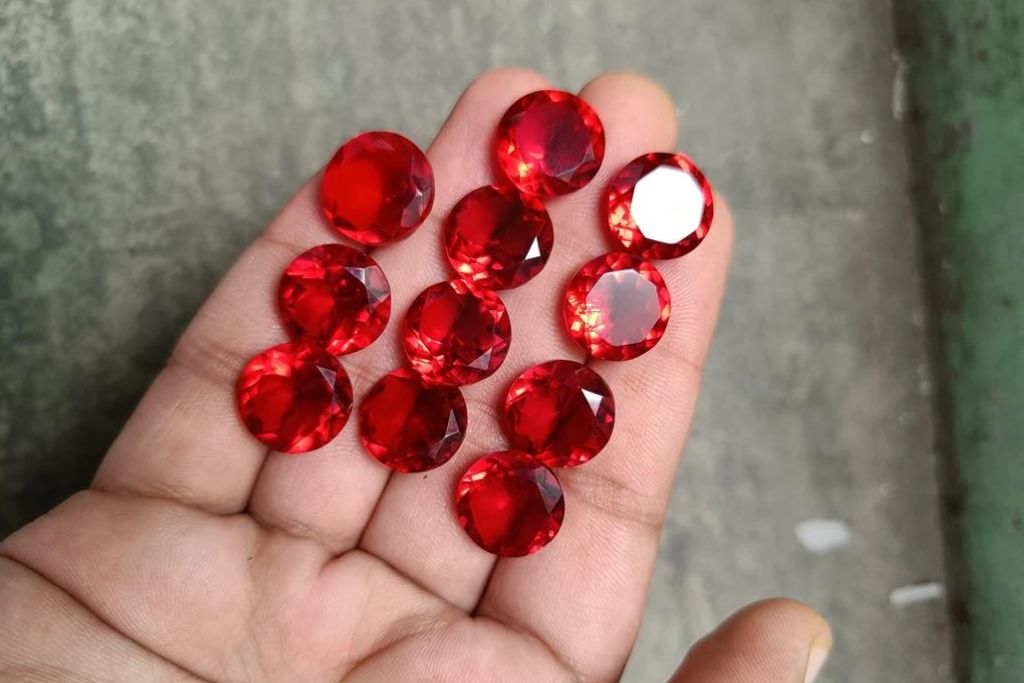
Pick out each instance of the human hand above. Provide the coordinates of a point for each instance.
(196, 554)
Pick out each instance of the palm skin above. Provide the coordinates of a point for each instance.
(198, 555)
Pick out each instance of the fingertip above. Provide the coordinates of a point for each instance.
(503, 83)
(462, 151)
(628, 97)
(724, 224)
(773, 641)
(514, 74)
(782, 615)
(628, 79)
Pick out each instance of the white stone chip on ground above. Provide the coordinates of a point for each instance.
(821, 536)
(917, 592)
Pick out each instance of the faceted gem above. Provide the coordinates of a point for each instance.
(660, 206)
(294, 397)
(456, 333)
(410, 426)
(498, 238)
(561, 411)
(509, 504)
(550, 143)
(377, 188)
(336, 297)
(617, 306)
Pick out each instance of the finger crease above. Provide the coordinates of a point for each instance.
(499, 618)
(616, 499)
(71, 596)
(300, 531)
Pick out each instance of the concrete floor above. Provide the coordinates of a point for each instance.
(144, 143)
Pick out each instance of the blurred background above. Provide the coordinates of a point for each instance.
(142, 145)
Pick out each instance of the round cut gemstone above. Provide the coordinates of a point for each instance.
(456, 333)
(377, 188)
(617, 306)
(561, 411)
(509, 504)
(498, 237)
(660, 206)
(336, 297)
(550, 143)
(294, 397)
(410, 426)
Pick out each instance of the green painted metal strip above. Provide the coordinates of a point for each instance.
(966, 77)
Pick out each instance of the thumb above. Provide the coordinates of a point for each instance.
(775, 641)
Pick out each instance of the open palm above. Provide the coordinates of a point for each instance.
(197, 554)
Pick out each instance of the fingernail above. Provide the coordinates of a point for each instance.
(820, 648)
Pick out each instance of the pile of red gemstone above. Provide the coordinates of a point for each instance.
(458, 332)
(561, 413)
(335, 300)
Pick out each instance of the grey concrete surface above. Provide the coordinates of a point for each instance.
(143, 144)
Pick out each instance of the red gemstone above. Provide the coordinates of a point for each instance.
(335, 296)
(377, 188)
(561, 411)
(294, 397)
(509, 504)
(456, 333)
(550, 143)
(617, 306)
(410, 426)
(498, 237)
(660, 206)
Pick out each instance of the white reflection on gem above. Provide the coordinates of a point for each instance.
(624, 307)
(668, 204)
(452, 430)
(593, 400)
(330, 376)
(483, 361)
(357, 273)
(534, 251)
(376, 291)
